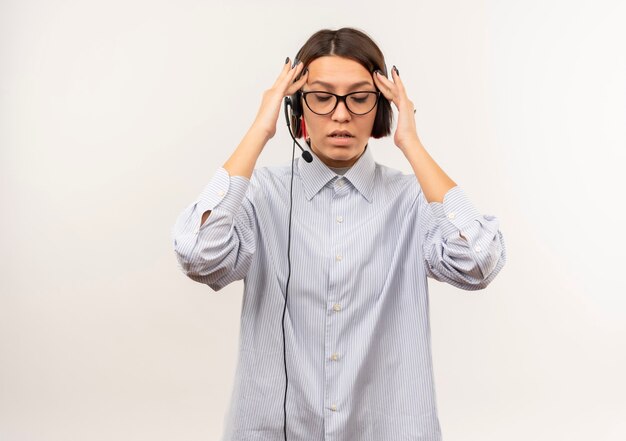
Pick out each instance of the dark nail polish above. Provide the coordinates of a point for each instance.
(397, 71)
(286, 60)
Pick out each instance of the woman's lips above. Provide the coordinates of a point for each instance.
(340, 140)
(340, 133)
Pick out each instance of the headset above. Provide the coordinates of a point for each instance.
(295, 124)
(297, 128)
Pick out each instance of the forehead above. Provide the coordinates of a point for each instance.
(337, 73)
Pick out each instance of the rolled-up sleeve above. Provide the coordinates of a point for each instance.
(461, 246)
(219, 251)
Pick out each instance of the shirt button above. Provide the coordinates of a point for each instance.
(451, 215)
(339, 219)
(333, 407)
(340, 182)
(338, 257)
(337, 307)
(335, 357)
(477, 248)
(220, 193)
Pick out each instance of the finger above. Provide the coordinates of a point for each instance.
(395, 74)
(397, 90)
(384, 85)
(383, 81)
(283, 72)
(290, 85)
(293, 73)
(403, 99)
(298, 84)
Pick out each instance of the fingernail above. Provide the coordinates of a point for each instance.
(397, 71)
(378, 72)
(295, 63)
(286, 60)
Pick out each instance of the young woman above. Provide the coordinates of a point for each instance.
(335, 255)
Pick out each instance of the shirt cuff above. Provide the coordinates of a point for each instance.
(223, 193)
(455, 213)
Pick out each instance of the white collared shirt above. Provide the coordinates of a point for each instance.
(357, 325)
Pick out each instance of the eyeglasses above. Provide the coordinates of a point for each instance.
(357, 103)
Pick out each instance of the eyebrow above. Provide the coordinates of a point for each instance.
(352, 86)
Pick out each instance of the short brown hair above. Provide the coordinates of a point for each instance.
(358, 46)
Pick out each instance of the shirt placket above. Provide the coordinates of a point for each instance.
(335, 307)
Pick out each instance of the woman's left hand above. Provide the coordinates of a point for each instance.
(406, 130)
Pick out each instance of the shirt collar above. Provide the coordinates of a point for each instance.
(315, 175)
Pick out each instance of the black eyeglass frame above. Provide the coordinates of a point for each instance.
(339, 98)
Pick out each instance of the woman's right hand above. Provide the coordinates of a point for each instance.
(267, 115)
(243, 159)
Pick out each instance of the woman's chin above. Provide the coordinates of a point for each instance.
(335, 155)
(340, 157)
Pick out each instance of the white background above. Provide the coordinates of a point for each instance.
(114, 115)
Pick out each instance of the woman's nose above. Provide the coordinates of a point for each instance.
(341, 112)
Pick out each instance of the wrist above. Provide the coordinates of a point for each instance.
(410, 144)
(261, 133)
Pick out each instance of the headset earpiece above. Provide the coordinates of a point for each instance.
(295, 101)
(293, 120)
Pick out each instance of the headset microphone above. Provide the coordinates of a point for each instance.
(306, 155)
